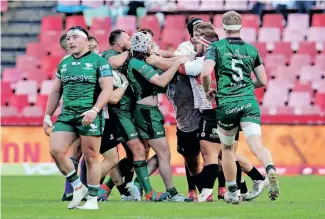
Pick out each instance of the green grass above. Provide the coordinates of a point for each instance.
(39, 198)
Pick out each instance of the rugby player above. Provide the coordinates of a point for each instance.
(84, 79)
(121, 111)
(233, 60)
(145, 81)
(93, 44)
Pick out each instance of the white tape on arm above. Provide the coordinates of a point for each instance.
(252, 129)
(47, 119)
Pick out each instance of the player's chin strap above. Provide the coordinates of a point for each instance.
(204, 41)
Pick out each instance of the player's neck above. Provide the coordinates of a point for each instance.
(232, 35)
(82, 53)
(117, 48)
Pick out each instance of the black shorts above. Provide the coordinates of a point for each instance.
(209, 126)
(188, 143)
(108, 138)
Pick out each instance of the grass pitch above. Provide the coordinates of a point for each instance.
(40, 198)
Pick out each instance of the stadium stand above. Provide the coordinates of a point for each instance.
(292, 50)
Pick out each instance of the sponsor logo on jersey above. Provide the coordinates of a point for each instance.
(226, 125)
(77, 78)
(75, 63)
(64, 68)
(160, 133)
(88, 66)
(237, 109)
(111, 137)
(103, 67)
(93, 127)
(133, 134)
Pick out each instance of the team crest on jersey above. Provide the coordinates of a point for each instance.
(214, 131)
(93, 127)
(202, 134)
(88, 66)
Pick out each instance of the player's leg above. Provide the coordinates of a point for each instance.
(250, 124)
(75, 155)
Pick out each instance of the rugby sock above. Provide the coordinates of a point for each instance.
(129, 176)
(137, 182)
(83, 171)
(123, 190)
(243, 187)
(198, 181)
(68, 188)
(270, 167)
(173, 191)
(73, 179)
(254, 174)
(232, 186)
(209, 175)
(141, 170)
(221, 179)
(190, 180)
(110, 184)
(93, 190)
(238, 176)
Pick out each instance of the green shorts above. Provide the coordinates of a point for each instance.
(149, 121)
(125, 128)
(231, 114)
(72, 122)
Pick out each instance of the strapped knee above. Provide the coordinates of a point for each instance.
(228, 141)
(252, 129)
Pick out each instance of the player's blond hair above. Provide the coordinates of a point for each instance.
(204, 26)
(231, 18)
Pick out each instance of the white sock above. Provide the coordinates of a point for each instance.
(206, 192)
(76, 183)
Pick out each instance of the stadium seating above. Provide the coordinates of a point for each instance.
(12, 75)
(261, 47)
(4, 5)
(283, 48)
(251, 20)
(19, 101)
(211, 5)
(75, 20)
(25, 62)
(248, 34)
(28, 88)
(37, 75)
(32, 111)
(308, 48)
(46, 87)
(184, 5)
(320, 61)
(176, 22)
(41, 101)
(236, 5)
(49, 37)
(286, 73)
(36, 50)
(104, 23)
(127, 23)
(204, 17)
(151, 22)
(318, 20)
(299, 99)
(269, 34)
(55, 50)
(298, 22)
(273, 20)
(52, 23)
(293, 36)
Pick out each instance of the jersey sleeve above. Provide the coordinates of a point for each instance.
(146, 70)
(58, 73)
(211, 53)
(109, 53)
(258, 60)
(104, 68)
(193, 68)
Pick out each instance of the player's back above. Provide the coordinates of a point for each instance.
(235, 62)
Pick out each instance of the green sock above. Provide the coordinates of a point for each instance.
(110, 184)
(93, 190)
(137, 182)
(141, 170)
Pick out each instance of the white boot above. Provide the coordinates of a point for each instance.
(78, 195)
(91, 204)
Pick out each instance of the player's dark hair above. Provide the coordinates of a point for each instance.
(146, 30)
(79, 28)
(90, 38)
(139, 55)
(191, 23)
(63, 42)
(113, 37)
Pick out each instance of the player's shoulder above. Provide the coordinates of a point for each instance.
(109, 53)
(66, 59)
(135, 62)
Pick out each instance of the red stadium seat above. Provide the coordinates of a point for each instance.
(251, 20)
(127, 23)
(274, 99)
(273, 20)
(293, 36)
(27, 88)
(317, 34)
(284, 49)
(42, 101)
(269, 34)
(32, 111)
(300, 60)
(286, 73)
(276, 93)
(208, 5)
(320, 100)
(49, 64)
(307, 110)
(204, 17)
(24, 62)
(37, 75)
(261, 47)
(6, 89)
(298, 22)
(4, 6)
(9, 111)
(319, 86)
(36, 49)
(318, 20)
(299, 99)
(274, 60)
(217, 21)
(308, 48)
(50, 36)
(52, 23)
(305, 87)
(102, 23)
(101, 35)
(310, 74)
(75, 20)
(248, 34)
(151, 22)
(12, 75)
(173, 37)
(55, 50)
(284, 110)
(320, 61)
(175, 22)
(259, 93)
(46, 87)
(19, 101)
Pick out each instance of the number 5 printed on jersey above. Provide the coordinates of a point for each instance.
(238, 72)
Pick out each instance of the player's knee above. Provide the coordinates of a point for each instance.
(138, 150)
(56, 152)
(227, 141)
(90, 155)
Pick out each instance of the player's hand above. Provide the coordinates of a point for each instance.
(182, 60)
(125, 81)
(89, 116)
(211, 94)
(47, 123)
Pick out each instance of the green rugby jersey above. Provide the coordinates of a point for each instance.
(139, 74)
(79, 77)
(128, 100)
(235, 61)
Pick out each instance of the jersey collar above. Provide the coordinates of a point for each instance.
(87, 53)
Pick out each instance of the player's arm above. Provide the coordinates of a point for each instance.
(166, 54)
(191, 68)
(260, 74)
(163, 79)
(159, 62)
(106, 84)
(119, 91)
(208, 67)
(117, 61)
